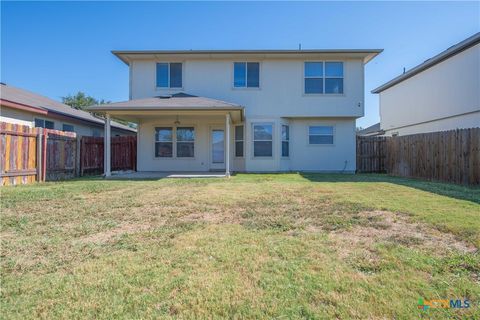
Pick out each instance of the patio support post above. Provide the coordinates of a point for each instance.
(227, 145)
(107, 147)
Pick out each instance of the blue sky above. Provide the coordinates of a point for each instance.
(58, 48)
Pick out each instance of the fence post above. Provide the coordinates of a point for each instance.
(39, 155)
(77, 156)
(44, 155)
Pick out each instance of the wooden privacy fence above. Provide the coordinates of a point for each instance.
(124, 154)
(18, 154)
(449, 156)
(61, 153)
(36, 154)
(371, 154)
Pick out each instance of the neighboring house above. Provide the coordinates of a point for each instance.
(247, 110)
(373, 130)
(19, 106)
(443, 93)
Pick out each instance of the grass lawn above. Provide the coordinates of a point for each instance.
(253, 246)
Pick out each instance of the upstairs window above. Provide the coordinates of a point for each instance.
(246, 74)
(169, 75)
(320, 135)
(40, 123)
(323, 77)
(313, 77)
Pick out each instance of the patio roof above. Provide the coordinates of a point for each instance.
(179, 103)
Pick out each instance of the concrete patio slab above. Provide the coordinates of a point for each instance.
(127, 175)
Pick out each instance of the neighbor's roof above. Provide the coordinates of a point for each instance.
(27, 98)
(179, 101)
(450, 52)
(129, 55)
(373, 129)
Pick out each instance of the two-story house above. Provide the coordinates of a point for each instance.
(244, 110)
(440, 94)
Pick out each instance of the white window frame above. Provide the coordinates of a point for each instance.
(272, 140)
(174, 141)
(320, 144)
(246, 87)
(287, 140)
(168, 87)
(324, 77)
(242, 140)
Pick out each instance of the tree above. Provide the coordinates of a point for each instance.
(81, 101)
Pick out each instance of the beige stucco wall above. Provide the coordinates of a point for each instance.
(436, 99)
(470, 120)
(303, 157)
(280, 93)
(201, 160)
(280, 99)
(337, 157)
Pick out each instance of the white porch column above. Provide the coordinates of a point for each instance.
(107, 147)
(227, 145)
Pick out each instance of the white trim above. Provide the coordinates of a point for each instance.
(107, 149)
(228, 121)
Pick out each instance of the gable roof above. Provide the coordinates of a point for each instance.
(365, 54)
(372, 130)
(33, 100)
(450, 52)
(179, 101)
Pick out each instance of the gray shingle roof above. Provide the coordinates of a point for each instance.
(179, 101)
(373, 129)
(28, 98)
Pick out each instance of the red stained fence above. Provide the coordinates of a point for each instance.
(35, 154)
(18, 154)
(124, 154)
(61, 154)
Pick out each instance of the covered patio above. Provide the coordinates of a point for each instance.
(178, 135)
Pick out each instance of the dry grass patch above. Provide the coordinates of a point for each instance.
(385, 227)
(253, 246)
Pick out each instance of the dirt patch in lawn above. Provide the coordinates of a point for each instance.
(106, 236)
(385, 226)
